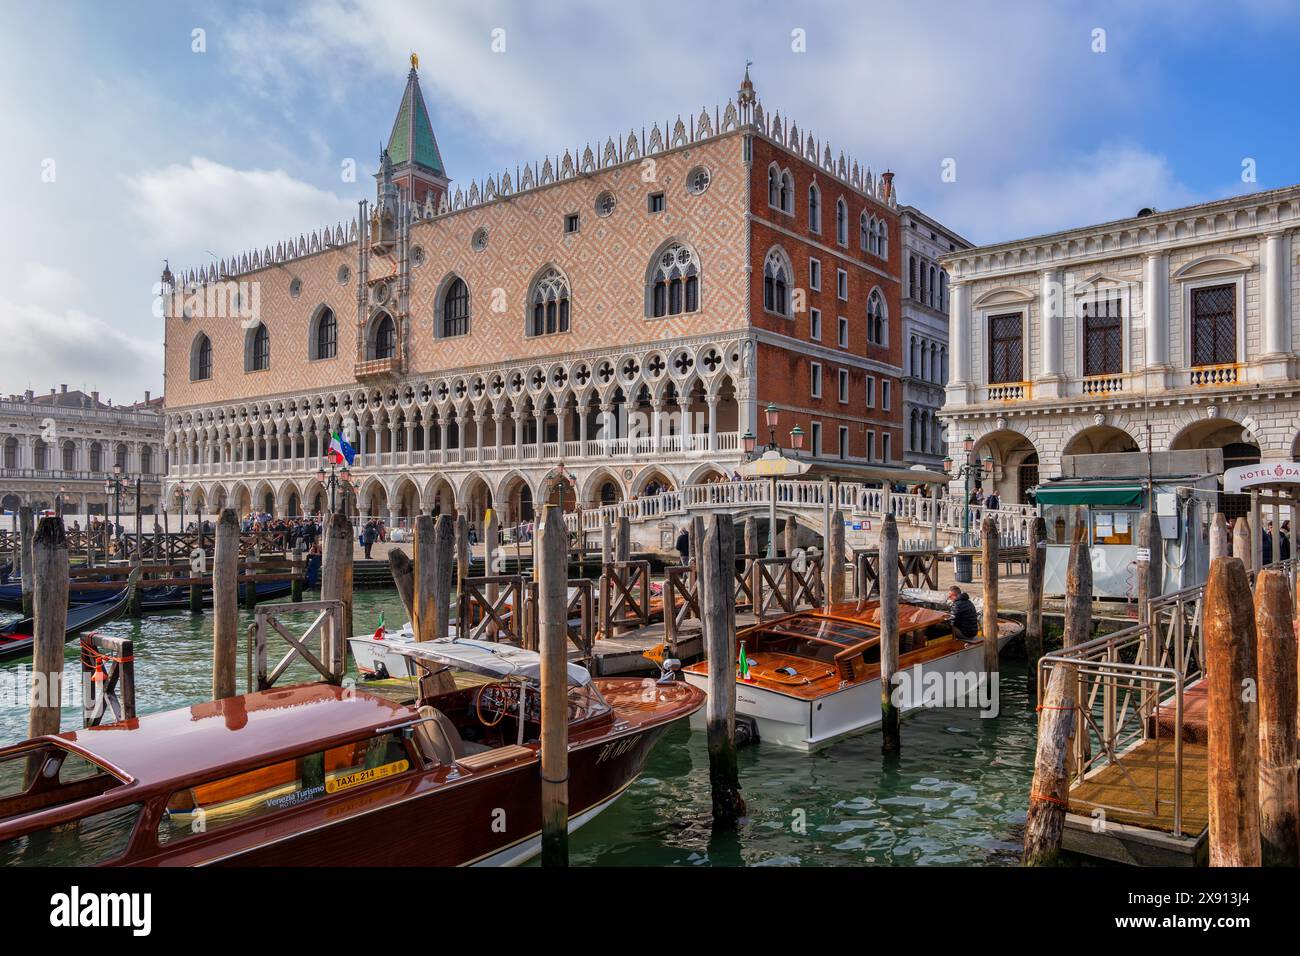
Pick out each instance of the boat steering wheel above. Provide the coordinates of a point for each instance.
(500, 701)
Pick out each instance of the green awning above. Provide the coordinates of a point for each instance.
(1113, 495)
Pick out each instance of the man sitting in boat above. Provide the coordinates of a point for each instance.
(964, 616)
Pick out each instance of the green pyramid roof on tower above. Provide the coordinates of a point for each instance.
(412, 139)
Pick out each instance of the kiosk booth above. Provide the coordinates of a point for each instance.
(1109, 493)
(1274, 489)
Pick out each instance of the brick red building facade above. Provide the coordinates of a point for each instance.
(627, 311)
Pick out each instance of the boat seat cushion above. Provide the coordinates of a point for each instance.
(437, 737)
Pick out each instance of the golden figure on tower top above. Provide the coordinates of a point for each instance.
(415, 62)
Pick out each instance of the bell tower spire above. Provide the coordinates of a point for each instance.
(416, 167)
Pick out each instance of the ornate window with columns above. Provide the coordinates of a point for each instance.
(776, 282)
(549, 303)
(674, 281)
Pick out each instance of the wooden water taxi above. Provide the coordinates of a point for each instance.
(814, 676)
(319, 775)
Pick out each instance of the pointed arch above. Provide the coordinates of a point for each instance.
(673, 280)
(548, 305)
(200, 358)
(778, 274)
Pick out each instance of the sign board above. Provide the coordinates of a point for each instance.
(1143, 554)
(1265, 474)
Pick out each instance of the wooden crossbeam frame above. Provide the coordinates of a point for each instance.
(480, 617)
(328, 626)
(624, 595)
(680, 581)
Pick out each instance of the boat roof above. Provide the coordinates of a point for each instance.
(488, 658)
(250, 730)
(849, 622)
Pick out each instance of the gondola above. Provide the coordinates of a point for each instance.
(16, 638)
(164, 598)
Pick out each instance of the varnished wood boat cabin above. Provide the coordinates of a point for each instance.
(814, 676)
(316, 774)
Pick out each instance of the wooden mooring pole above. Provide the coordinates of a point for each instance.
(1220, 543)
(225, 605)
(890, 738)
(1034, 610)
(1241, 548)
(26, 530)
(1279, 802)
(403, 572)
(336, 566)
(551, 555)
(462, 549)
(1049, 795)
(791, 532)
(424, 573)
(718, 612)
(991, 544)
(439, 586)
(834, 569)
(1231, 675)
(48, 549)
(491, 530)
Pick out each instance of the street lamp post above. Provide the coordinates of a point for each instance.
(113, 487)
(333, 481)
(972, 469)
(772, 417)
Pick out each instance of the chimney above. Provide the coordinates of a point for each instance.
(28, 396)
(63, 389)
(146, 396)
(94, 399)
(886, 186)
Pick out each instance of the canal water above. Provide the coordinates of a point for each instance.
(956, 795)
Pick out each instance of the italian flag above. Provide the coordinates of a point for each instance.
(744, 663)
(340, 451)
(379, 631)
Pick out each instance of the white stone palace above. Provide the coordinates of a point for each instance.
(68, 443)
(1183, 323)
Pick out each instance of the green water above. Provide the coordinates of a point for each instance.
(957, 794)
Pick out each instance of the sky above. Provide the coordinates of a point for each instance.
(133, 132)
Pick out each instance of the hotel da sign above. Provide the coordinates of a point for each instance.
(1266, 473)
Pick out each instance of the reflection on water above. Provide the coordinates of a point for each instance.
(956, 795)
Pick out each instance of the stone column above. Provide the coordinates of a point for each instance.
(656, 430)
(540, 418)
(1275, 294)
(498, 419)
(1155, 305)
(1051, 319)
(684, 410)
(712, 401)
(959, 338)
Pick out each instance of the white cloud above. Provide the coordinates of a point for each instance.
(209, 206)
(44, 347)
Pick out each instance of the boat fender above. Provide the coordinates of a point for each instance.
(746, 731)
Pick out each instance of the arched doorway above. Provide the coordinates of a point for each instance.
(1009, 450)
(1101, 440)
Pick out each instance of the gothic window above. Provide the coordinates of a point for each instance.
(1214, 325)
(257, 349)
(773, 187)
(327, 335)
(383, 337)
(549, 304)
(675, 282)
(814, 208)
(776, 281)
(877, 318)
(69, 456)
(697, 180)
(787, 192)
(1005, 357)
(882, 239)
(867, 233)
(201, 359)
(455, 309)
(841, 222)
(1103, 336)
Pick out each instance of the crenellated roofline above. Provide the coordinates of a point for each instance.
(573, 164)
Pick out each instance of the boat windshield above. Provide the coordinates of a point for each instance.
(808, 627)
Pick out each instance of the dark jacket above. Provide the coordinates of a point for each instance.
(964, 616)
(683, 545)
